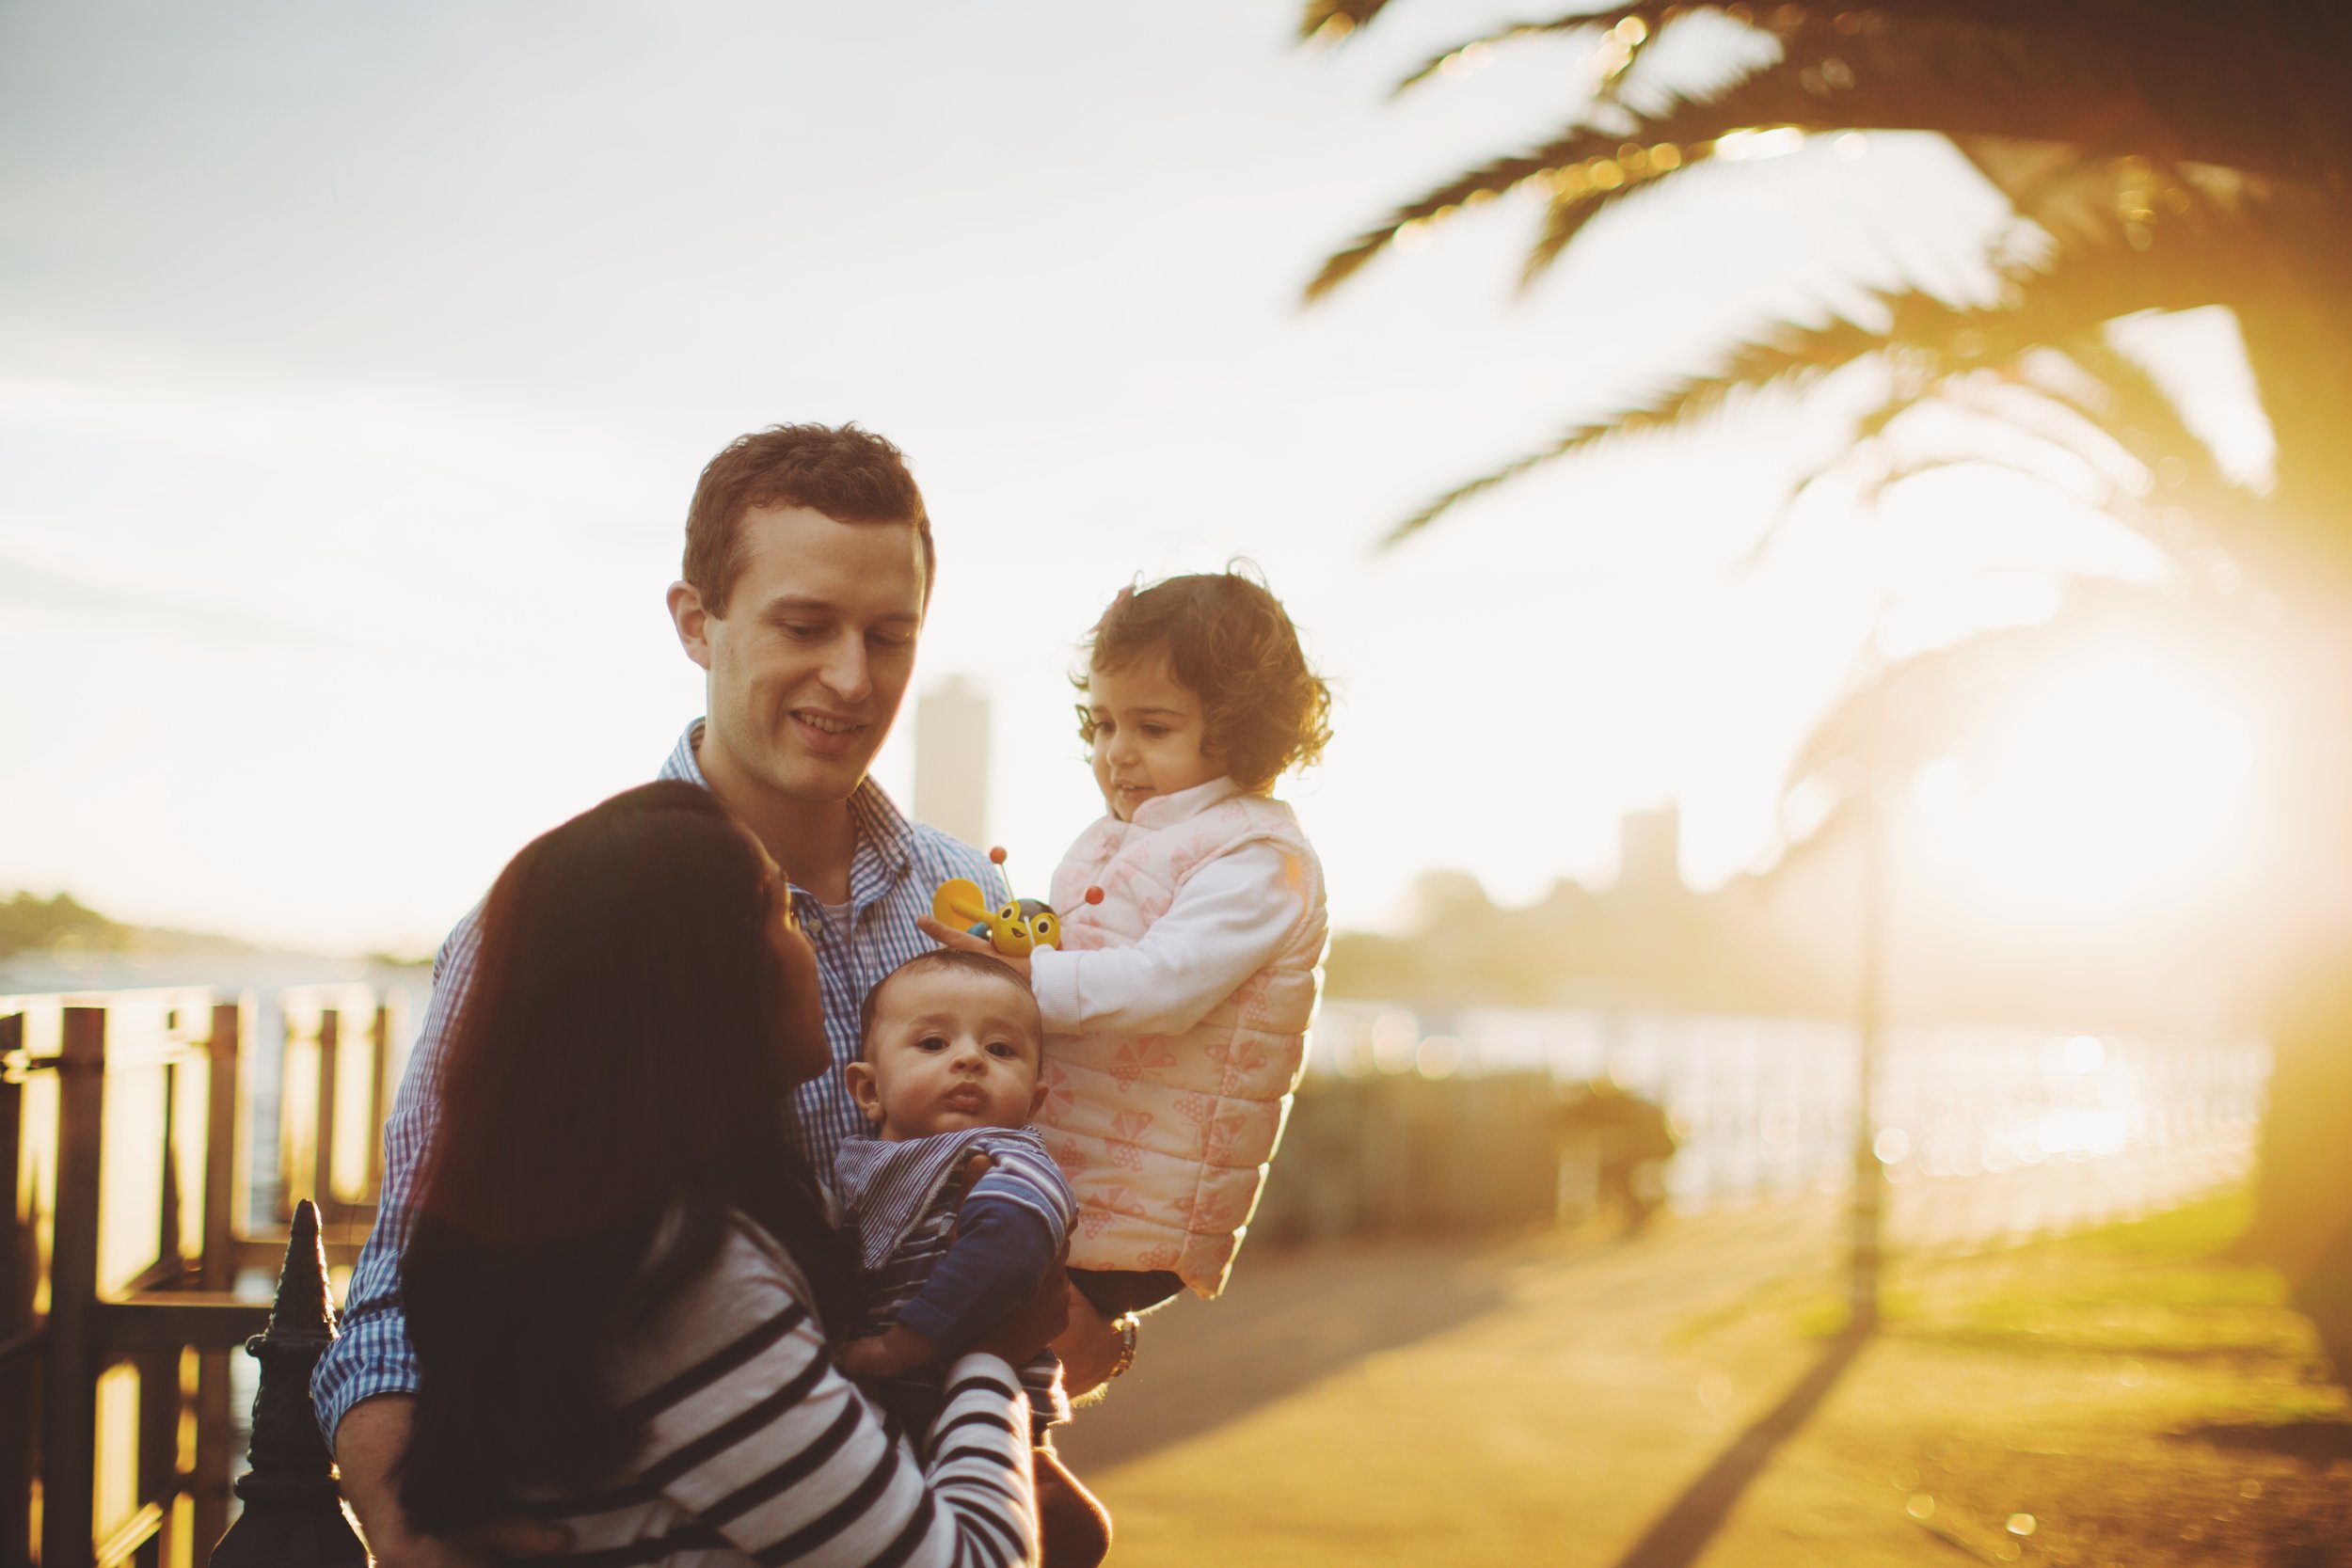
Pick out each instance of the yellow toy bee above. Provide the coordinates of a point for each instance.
(1016, 929)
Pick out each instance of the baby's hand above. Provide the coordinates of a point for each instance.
(896, 1349)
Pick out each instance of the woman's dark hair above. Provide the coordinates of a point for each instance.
(616, 1080)
(1227, 640)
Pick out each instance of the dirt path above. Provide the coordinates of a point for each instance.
(1575, 1399)
(1363, 1378)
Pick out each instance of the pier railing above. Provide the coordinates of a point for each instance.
(127, 1173)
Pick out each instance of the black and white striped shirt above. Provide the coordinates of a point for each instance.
(758, 1448)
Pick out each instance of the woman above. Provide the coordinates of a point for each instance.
(621, 1280)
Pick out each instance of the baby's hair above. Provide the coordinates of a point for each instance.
(941, 957)
(1228, 642)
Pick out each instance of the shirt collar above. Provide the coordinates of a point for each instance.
(885, 839)
(1166, 810)
(882, 826)
(683, 764)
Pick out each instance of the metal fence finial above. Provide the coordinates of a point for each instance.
(294, 1516)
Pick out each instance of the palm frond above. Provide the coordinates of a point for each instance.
(2255, 84)
(1795, 354)
(2119, 395)
(1596, 19)
(1480, 184)
(2000, 89)
(1586, 159)
(1929, 339)
(1563, 221)
(1331, 21)
(1795, 358)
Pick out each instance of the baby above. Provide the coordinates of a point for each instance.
(958, 1212)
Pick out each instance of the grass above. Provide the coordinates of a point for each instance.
(2156, 1286)
(2124, 1396)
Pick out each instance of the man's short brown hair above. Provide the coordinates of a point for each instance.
(851, 475)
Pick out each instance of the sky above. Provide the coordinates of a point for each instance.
(356, 364)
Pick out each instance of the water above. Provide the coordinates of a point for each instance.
(1768, 1105)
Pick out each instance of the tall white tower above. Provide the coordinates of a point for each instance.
(951, 759)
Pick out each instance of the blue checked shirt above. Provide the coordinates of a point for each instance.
(897, 866)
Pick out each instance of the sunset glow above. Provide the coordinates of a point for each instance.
(2124, 777)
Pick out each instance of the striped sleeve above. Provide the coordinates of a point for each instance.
(752, 1431)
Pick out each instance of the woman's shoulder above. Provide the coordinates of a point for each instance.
(751, 1285)
(747, 1250)
(750, 1291)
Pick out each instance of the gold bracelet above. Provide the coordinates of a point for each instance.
(1128, 1325)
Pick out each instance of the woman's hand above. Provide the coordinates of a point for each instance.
(368, 1445)
(1089, 1347)
(1037, 1322)
(895, 1350)
(965, 941)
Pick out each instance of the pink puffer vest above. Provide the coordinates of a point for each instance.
(1165, 1138)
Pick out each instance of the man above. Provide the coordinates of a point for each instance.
(809, 568)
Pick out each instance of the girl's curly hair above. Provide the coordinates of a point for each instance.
(1228, 641)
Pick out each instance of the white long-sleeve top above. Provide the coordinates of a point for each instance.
(1228, 921)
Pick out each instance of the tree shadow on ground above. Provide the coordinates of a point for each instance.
(1288, 1320)
(2320, 1441)
(1685, 1525)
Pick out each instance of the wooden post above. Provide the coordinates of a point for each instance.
(157, 1450)
(218, 1271)
(380, 1098)
(323, 1130)
(293, 1516)
(70, 1394)
(219, 1262)
(16, 1316)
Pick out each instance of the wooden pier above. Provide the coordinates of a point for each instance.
(125, 1164)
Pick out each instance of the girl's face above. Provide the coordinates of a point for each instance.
(1149, 737)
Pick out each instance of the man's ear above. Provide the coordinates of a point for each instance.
(691, 619)
(863, 1091)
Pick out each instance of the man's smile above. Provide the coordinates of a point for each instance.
(827, 731)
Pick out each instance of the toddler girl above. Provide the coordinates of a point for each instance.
(1178, 1003)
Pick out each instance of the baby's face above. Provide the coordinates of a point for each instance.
(949, 1051)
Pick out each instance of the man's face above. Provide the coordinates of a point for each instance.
(949, 1051)
(809, 663)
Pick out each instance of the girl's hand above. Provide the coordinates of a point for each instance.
(965, 941)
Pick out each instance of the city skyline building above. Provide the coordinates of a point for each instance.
(952, 757)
